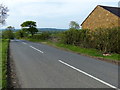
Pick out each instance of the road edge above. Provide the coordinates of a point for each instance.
(12, 79)
(97, 58)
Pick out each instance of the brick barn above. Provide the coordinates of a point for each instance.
(102, 17)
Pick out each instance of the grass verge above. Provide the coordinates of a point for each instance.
(0, 63)
(79, 50)
(5, 44)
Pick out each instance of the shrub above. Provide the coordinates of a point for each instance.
(20, 34)
(45, 35)
(42, 36)
(107, 40)
(71, 36)
(104, 39)
(37, 36)
(8, 34)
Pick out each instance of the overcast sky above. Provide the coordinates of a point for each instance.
(51, 13)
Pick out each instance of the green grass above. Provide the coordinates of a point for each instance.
(76, 49)
(86, 51)
(0, 63)
(3, 50)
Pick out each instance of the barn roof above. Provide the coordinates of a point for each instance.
(113, 10)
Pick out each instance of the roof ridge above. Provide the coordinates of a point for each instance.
(108, 6)
(113, 10)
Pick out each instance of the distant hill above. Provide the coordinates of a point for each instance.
(51, 29)
(44, 29)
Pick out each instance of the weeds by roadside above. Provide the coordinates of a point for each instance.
(5, 45)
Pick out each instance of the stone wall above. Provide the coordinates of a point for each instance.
(100, 18)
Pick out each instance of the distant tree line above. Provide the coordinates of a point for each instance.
(106, 40)
(8, 33)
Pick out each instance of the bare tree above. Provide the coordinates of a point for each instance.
(3, 14)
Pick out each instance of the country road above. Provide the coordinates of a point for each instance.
(43, 66)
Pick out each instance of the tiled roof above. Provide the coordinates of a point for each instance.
(114, 10)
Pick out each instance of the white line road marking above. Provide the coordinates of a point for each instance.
(24, 43)
(36, 49)
(88, 74)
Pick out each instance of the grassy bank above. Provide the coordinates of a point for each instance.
(0, 63)
(4, 49)
(86, 51)
(76, 49)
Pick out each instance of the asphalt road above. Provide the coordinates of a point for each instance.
(43, 66)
